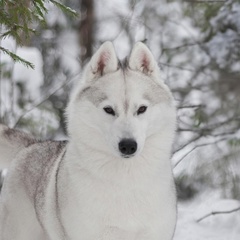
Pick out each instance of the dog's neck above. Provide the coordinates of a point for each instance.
(85, 158)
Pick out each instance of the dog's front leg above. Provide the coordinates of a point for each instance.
(119, 234)
(116, 233)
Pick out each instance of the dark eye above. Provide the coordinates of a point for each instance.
(141, 110)
(109, 110)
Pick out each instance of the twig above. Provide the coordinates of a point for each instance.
(12, 90)
(195, 147)
(181, 46)
(42, 101)
(187, 143)
(175, 66)
(206, 1)
(191, 106)
(195, 130)
(0, 78)
(218, 212)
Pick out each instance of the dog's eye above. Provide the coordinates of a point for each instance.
(141, 110)
(109, 110)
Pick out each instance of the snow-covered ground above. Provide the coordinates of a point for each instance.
(215, 227)
(224, 226)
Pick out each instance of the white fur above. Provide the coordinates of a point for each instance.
(100, 194)
(130, 198)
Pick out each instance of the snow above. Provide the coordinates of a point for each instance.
(32, 77)
(55, 15)
(69, 50)
(216, 227)
(225, 26)
(223, 205)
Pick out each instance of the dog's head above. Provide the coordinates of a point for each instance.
(119, 110)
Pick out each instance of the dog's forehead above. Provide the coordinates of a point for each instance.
(143, 86)
(109, 87)
(123, 86)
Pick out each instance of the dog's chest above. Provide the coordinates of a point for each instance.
(97, 207)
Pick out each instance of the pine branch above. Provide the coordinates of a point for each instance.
(17, 17)
(40, 9)
(65, 8)
(16, 58)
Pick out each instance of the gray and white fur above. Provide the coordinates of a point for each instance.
(113, 179)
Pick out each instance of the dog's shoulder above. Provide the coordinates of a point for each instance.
(35, 165)
(12, 141)
(42, 153)
(16, 137)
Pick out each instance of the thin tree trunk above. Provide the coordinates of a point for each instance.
(86, 29)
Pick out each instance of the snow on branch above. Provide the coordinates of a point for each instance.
(17, 58)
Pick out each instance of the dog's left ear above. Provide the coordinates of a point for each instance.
(104, 60)
(141, 59)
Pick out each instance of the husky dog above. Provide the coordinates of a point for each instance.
(113, 179)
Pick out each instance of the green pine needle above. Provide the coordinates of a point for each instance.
(65, 8)
(16, 18)
(16, 58)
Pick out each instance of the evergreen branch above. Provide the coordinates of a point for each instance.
(40, 4)
(17, 16)
(4, 35)
(65, 8)
(15, 28)
(16, 58)
(40, 9)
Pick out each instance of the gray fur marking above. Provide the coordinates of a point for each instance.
(93, 94)
(14, 135)
(36, 174)
(123, 64)
(157, 94)
(58, 210)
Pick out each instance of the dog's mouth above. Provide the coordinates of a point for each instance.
(127, 156)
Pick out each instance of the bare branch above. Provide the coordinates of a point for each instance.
(43, 100)
(187, 143)
(0, 78)
(198, 146)
(182, 46)
(205, 1)
(175, 66)
(191, 106)
(218, 212)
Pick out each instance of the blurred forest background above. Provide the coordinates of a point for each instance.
(197, 46)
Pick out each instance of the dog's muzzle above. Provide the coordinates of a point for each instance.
(127, 147)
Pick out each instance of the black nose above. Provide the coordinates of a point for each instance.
(127, 146)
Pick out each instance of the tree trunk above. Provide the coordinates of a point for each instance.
(86, 29)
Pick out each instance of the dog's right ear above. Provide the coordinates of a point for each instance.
(103, 61)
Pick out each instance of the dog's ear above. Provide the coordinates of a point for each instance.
(104, 60)
(141, 59)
